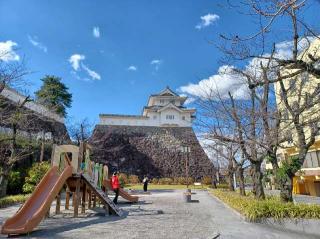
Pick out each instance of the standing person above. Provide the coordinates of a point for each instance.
(145, 183)
(115, 186)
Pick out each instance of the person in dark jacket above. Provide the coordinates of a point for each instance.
(145, 183)
(115, 186)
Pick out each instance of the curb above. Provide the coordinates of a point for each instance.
(298, 225)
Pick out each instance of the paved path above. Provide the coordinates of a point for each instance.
(162, 214)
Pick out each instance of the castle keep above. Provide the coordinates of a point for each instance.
(151, 143)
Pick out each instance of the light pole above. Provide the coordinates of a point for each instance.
(186, 149)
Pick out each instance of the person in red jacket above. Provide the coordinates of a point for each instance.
(115, 186)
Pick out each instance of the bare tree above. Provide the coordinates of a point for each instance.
(81, 130)
(296, 75)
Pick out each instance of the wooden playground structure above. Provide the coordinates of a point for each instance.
(73, 171)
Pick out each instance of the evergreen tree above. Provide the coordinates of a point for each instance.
(54, 94)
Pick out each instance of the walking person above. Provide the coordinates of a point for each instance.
(145, 183)
(115, 186)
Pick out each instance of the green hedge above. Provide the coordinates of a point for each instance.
(255, 210)
(11, 200)
(35, 174)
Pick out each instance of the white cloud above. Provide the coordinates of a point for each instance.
(132, 68)
(207, 20)
(7, 51)
(156, 63)
(223, 82)
(77, 64)
(284, 48)
(75, 60)
(189, 99)
(34, 41)
(96, 32)
(94, 75)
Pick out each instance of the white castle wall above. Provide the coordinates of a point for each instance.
(160, 119)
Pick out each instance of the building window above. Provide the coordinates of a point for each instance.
(170, 117)
(154, 117)
(161, 102)
(183, 118)
(172, 101)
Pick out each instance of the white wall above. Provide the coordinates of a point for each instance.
(160, 120)
(34, 106)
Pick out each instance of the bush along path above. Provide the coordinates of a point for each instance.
(256, 210)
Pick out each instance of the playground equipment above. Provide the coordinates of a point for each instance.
(72, 169)
(122, 193)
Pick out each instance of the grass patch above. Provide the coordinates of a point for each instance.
(14, 199)
(162, 187)
(256, 210)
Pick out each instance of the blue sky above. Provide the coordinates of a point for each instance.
(122, 50)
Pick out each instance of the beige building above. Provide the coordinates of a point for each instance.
(300, 89)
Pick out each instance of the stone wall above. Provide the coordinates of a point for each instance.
(154, 151)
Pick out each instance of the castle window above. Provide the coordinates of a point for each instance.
(183, 118)
(170, 117)
(154, 117)
(172, 101)
(161, 101)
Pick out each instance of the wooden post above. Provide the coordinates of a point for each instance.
(83, 204)
(94, 200)
(48, 213)
(67, 199)
(81, 154)
(52, 153)
(58, 204)
(90, 199)
(76, 198)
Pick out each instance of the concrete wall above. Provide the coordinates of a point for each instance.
(42, 110)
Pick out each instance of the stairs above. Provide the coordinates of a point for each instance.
(106, 201)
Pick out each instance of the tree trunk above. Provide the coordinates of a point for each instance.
(241, 180)
(257, 180)
(4, 181)
(275, 168)
(230, 176)
(286, 186)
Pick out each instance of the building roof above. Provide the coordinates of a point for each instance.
(167, 92)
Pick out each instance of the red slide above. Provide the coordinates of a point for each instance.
(122, 192)
(36, 207)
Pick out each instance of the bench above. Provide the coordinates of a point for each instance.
(197, 184)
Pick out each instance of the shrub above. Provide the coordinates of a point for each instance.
(15, 183)
(154, 181)
(11, 200)
(123, 179)
(165, 181)
(255, 210)
(179, 180)
(134, 179)
(35, 174)
(223, 186)
(191, 180)
(206, 180)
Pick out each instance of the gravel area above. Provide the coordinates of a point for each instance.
(162, 214)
